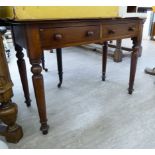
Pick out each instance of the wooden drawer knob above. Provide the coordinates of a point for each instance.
(90, 33)
(58, 37)
(111, 32)
(131, 29)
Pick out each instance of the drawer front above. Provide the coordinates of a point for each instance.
(119, 30)
(61, 37)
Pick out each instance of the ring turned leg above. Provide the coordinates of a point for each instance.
(8, 110)
(104, 60)
(23, 73)
(59, 62)
(43, 62)
(40, 95)
(10, 130)
(134, 57)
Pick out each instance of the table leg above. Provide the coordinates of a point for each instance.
(23, 73)
(134, 57)
(8, 114)
(38, 84)
(104, 59)
(43, 62)
(8, 110)
(60, 68)
(34, 52)
(118, 51)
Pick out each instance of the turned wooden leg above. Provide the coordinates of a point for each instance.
(39, 94)
(34, 54)
(59, 62)
(8, 110)
(8, 114)
(23, 73)
(118, 51)
(43, 62)
(104, 60)
(134, 56)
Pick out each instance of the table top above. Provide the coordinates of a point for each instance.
(32, 21)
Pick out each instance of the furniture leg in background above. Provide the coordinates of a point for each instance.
(8, 110)
(104, 59)
(134, 56)
(153, 31)
(118, 54)
(43, 62)
(59, 63)
(23, 73)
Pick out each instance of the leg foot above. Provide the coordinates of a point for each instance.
(59, 84)
(44, 128)
(130, 91)
(8, 114)
(103, 77)
(45, 69)
(15, 135)
(28, 102)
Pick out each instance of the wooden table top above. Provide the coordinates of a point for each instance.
(32, 21)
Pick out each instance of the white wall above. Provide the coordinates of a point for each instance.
(123, 13)
(147, 26)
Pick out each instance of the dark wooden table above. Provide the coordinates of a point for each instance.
(38, 35)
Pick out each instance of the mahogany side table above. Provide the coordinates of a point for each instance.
(42, 34)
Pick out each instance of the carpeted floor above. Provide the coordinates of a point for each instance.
(86, 112)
